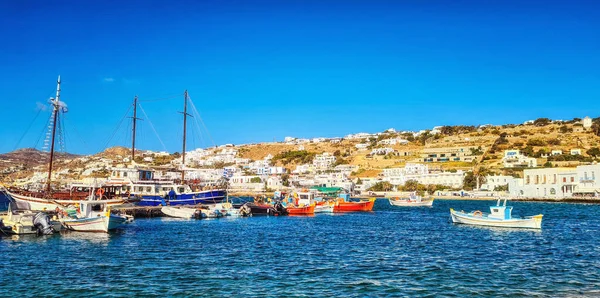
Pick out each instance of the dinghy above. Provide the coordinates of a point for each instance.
(412, 201)
(500, 216)
(180, 212)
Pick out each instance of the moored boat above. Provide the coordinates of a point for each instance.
(21, 220)
(180, 212)
(500, 216)
(301, 210)
(93, 216)
(412, 201)
(345, 206)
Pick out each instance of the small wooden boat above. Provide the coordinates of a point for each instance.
(180, 212)
(301, 210)
(412, 201)
(345, 206)
(94, 216)
(499, 216)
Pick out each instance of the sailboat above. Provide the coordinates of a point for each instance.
(48, 199)
(154, 192)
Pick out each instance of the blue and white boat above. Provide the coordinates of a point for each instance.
(141, 183)
(500, 216)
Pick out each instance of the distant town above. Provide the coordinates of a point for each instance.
(539, 158)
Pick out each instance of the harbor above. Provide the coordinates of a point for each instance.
(388, 252)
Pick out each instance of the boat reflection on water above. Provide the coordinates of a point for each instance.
(499, 230)
(96, 238)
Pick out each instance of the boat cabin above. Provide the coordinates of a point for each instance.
(501, 211)
(92, 209)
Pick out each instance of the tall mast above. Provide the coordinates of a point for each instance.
(55, 104)
(185, 114)
(133, 133)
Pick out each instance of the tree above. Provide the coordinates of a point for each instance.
(542, 122)
(411, 185)
(255, 180)
(501, 188)
(547, 164)
(381, 186)
(285, 180)
(595, 152)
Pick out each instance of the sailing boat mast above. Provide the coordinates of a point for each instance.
(55, 104)
(133, 133)
(185, 114)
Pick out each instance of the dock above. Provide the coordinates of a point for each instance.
(140, 211)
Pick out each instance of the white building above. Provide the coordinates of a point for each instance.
(393, 141)
(546, 183)
(323, 161)
(556, 152)
(382, 151)
(420, 173)
(587, 122)
(361, 146)
(289, 139)
(493, 181)
(514, 158)
(588, 177)
(575, 151)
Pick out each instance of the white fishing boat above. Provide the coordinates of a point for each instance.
(412, 201)
(500, 216)
(180, 212)
(94, 216)
(21, 220)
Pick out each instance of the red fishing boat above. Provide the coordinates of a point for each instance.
(304, 210)
(343, 206)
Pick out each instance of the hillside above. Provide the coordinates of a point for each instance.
(444, 148)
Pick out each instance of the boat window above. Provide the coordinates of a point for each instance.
(181, 189)
(124, 174)
(140, 189)
(495, 210)
(148, 189)
(128, 188)
(552, 191)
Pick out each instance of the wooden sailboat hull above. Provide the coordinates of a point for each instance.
(409, 203)
(49, 204)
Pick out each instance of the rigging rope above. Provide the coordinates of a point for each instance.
(152, 126)
(198, 117)
(27, 130)
(118, 126)
(43, 131)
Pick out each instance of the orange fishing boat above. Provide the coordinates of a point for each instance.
(343, 206)
(305, 210)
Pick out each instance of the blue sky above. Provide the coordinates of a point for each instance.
(263, 70)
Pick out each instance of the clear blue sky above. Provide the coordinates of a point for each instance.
(259, 70)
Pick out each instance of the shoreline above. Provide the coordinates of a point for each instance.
(591, 200)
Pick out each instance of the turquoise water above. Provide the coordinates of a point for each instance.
(391, 252)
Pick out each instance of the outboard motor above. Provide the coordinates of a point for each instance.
(245, 210)
(41, 221)
(279, 208)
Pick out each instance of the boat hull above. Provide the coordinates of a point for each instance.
(202, 197)
(179, 212)
(301, 210)
(533, 222)
(408, 203)
(324, 208)
(95, 224)
(47, 204)
(342, 206)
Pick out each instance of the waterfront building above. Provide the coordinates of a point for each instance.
(588, 177)
(493, 181)
(546, 182)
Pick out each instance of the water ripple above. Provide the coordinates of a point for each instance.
(387, 253)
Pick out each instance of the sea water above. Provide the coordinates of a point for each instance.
(393, 251)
